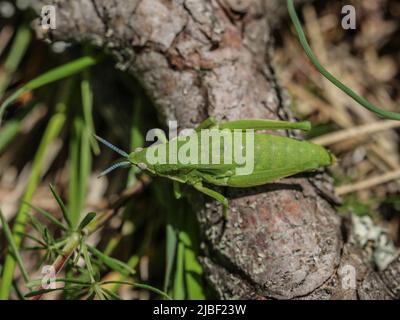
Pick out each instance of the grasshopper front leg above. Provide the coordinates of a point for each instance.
(213, 194)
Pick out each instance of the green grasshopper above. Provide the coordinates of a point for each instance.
(274, 157)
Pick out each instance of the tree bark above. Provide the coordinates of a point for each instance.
(198, 58)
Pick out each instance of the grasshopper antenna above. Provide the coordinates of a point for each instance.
(122, 164)
(112, 147)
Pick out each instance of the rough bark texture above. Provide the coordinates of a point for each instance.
(198, 58)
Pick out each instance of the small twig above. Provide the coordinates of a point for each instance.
(368, 183)
(355, 132)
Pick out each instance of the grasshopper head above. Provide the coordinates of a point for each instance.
(138, 158)
(134, 157)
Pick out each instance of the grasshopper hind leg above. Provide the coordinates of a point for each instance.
(265, 124)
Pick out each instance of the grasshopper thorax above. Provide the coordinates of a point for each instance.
(138, 158)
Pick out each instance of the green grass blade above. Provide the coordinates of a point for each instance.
(29, 236)
(8, 132)
(86, 220)
(44, 291)
(180, 253)
(184, 274)
(139, 285)
(80, 160)
(112, 263)
(48, 215)
(193, 269)
(18, 292)
(166, 200)
(136, 136)
(171, 245)
(307, 49)
(37, 225)
(53, 75)
(74, 196)
(14, 58)
(179, 288)
(88, 262)
(111, 295)
(61, 205)
(13, 247)
(80, 156)
(51, 132)
(37, 282)
(87, 107)
(85, 163)
(11, 129)
(132, 264)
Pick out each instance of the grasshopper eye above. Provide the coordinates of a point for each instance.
(112, 147)
(122, 164)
